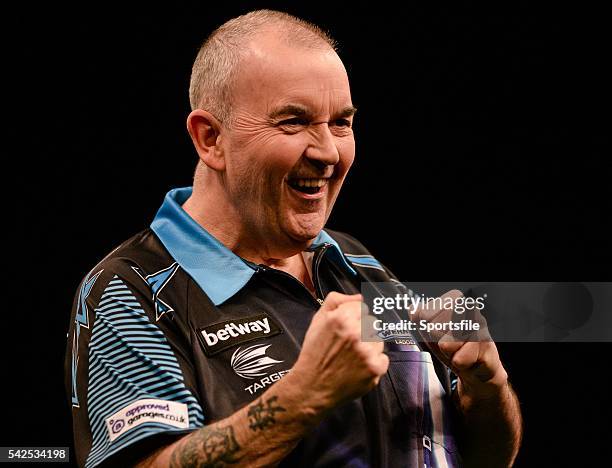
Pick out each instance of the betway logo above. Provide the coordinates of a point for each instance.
(233, 329)
(221, 336)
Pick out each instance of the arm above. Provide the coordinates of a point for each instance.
(334, 366)
(491, 415)
(491, 418)
(260, 434)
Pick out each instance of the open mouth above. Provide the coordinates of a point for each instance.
(309, 186)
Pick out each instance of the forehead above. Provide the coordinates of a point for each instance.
(273, 74)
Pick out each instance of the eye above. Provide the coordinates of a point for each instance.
(341, 127)
(342, 123)
(295, 121)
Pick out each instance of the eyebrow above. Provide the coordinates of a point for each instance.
(301, 111)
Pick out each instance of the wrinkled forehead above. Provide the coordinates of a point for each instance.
(273, 73)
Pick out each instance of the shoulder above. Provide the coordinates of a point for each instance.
(131, 265)
(142, 249)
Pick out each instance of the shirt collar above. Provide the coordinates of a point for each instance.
(216, 269)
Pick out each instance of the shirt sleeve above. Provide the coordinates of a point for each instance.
(126, 371)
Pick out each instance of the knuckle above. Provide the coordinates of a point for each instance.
(455, 293)
(362, 353)
(333, 295)
(449, 347)
(335, 320)
(459, 361)
(378, 347)
(351, 308)
(384, 359)
(371, 367)
(353, 336)
(377, 366)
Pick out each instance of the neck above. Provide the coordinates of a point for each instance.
(211, 209)
(296, 267)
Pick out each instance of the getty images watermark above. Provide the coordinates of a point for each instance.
(426, 314)
(479, 311)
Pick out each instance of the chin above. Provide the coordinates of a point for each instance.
(306, 228)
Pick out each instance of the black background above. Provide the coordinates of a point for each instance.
(480, 157)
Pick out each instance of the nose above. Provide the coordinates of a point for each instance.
(322, 148)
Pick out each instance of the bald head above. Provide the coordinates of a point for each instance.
(219, 59)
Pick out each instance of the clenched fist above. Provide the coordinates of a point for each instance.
(335, 364)
(472, 355)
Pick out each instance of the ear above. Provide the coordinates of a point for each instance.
(205, 132)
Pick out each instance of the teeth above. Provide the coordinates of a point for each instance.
(310, 182)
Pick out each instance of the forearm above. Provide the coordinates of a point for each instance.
(492, 427)
(260, 434)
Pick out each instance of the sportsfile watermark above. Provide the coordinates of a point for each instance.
(514, 312)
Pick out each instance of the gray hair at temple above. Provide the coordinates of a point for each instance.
(218, 60)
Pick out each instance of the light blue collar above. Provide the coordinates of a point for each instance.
(217, 270)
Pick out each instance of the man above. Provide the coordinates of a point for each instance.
(230, 332)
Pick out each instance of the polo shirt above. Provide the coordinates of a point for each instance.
(172, 330)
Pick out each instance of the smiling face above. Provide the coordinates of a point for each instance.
(290, 143)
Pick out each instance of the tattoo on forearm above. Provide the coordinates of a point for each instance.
(262, 416)
(212, 446)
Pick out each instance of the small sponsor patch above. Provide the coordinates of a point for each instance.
(133, 415)
(224, 335)
(398, 336)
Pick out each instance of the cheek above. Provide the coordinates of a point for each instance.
(277, 155)
(246, 153)
(346, 150)
(259, 166)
